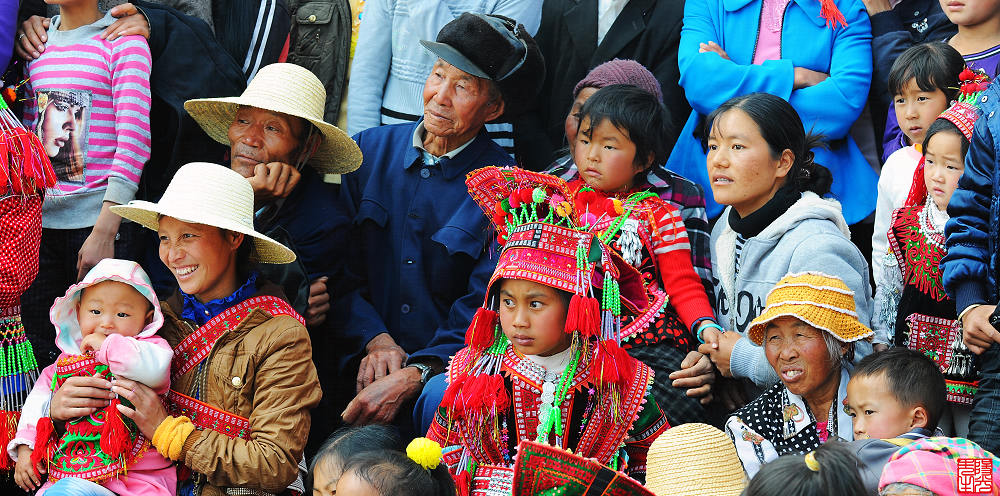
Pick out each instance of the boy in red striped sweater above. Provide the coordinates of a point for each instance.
(89, 102)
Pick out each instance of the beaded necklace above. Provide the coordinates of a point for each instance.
(932, 223)
(550, 415)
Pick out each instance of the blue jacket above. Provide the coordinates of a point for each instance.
(830, 107)
(420, 243)
(970, 267)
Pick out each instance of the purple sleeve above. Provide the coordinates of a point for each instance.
(8, 27)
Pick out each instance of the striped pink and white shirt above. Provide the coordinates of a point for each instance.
(90, 101)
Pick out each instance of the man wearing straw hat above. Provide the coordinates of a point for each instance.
(274, 129)
(420, 239)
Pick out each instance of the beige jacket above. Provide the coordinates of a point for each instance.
(261, 370)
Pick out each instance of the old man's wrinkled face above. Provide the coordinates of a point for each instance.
(457, 103)
(259, 136)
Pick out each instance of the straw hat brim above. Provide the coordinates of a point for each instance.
(694, 460)
(148, 215)
(852, 330)
(337, 153)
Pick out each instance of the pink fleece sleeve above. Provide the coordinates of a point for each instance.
(146, 360)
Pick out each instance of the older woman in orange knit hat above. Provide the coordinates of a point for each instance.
(808, 330)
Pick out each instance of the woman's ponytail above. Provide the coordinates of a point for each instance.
(806, 174)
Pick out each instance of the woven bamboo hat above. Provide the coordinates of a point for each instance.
(694, 460)
(289, 89)
(822, 301)
(210, 194)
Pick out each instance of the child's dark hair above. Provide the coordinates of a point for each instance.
(944, 125)
(832, 471)
(639, 115)
(349, 441)
(934, 65)
(391, 473)
(911, 377)
(782, 129)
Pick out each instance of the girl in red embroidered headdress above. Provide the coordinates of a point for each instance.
(911, 301)
(543, 360)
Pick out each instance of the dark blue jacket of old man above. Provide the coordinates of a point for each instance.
(421, 249)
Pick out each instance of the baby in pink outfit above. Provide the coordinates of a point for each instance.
(105, 326)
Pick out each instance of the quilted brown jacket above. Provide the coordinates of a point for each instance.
(262, 370)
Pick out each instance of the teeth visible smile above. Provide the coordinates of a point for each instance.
(723, 180)
(183, 271)
(791, 374)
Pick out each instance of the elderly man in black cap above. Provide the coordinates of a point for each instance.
(421, 245)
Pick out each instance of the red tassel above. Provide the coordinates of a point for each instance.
(482, 329)
(463, 484)
(495, 394)
(829, 11)
(584, 315)
(8, 428)
(115, 438)
(44, 443)
(611, 364)
(452, 392)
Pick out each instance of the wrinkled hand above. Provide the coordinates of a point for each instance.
(96, 247)
(977, 332)
(79, 396)
(31, 45)
(26, 476)
(130, 21)
(92, 342)
(697, 375)
(272, 181)
(380, 402)
(319, 302)
(721, 352)
(805, 78)
(714, 48)
(147, 411)
(384, 357)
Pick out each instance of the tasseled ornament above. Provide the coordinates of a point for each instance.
(452, 392)
(45, 444)
(482, 330)
(584, 315)
(829, 12)
(495, 394)
(8, 427)
(463, 484)
(115, 437)
(611, 364)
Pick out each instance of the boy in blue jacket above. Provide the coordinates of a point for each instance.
(971, 265)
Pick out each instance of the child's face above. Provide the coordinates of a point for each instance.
(943, 165)
(572, 124)
(112, 307)
(352, 485)
(533, 317)
(916, 109)
(741, 168)
(326, 475)
(875, 411)
(970, 13)
(605, 156)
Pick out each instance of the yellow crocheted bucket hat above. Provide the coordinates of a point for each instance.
(820, 300)
(694, 460)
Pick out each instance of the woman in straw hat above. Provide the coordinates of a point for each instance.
(808, 330)
(242, 379)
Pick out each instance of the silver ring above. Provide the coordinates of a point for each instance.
(22, 36)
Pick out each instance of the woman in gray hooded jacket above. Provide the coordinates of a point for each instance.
(776, 222)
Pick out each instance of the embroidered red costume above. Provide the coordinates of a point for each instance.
(591, 398)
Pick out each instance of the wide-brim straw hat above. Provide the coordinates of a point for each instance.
(820, 300)
(289, 89)
(694, 460)
(210, 194)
